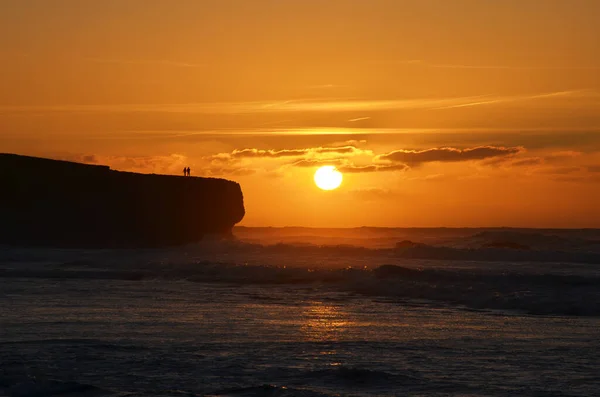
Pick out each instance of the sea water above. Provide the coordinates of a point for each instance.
(241, 319)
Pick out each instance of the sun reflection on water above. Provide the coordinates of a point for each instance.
(324, 322)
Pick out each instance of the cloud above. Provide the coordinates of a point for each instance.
(593, 168)
(358, 169)
(491, 100)
(283, 153)
(354, 105)
(253, 153)
(314, 105)
(354, 142)
(527, 162)
(240, 161)
(559, 157)
(556, 158)
(560, 170)
(90, 159)
(341, 150)
(232, 163)
(350, 159)
(308, 163)
(430, 178)
(448, 154)
(423, 63)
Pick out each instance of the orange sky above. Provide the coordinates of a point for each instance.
(440, 113)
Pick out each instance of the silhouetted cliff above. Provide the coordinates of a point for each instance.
(58, 203)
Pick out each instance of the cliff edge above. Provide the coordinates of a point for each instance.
(55, 203)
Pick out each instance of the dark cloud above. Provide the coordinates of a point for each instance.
(90, 159)
(527, 162)
(448, 154)
(593, 168)
(552, 159)
(79, 158)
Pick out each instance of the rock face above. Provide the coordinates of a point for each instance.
(63, 204)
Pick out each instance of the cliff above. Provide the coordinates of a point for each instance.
(63, 204)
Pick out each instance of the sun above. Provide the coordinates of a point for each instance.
(328, 178)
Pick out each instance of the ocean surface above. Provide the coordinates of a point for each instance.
(308, 312)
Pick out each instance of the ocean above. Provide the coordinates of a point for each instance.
(308, 312)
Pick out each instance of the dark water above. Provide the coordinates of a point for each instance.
(246, 320)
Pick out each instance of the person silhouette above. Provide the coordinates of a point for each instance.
(188, 171)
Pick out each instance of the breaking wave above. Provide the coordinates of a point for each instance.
(476, 288)
(490, 270)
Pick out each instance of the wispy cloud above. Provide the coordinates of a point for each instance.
(310, 163)
(260, 153)
(359, 169)
(433, 65)
(527, 162)
(307, 105)
(491, 100)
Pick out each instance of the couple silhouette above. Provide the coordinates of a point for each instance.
(186, 171)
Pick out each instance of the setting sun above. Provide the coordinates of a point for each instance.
(162, 152)
(328, 178)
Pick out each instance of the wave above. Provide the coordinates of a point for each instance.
(536, 294)
(268, 391)
(510, 273)
(43, 388)
(486, 246)
(574, 294)
(375, 237)
(328, 380)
